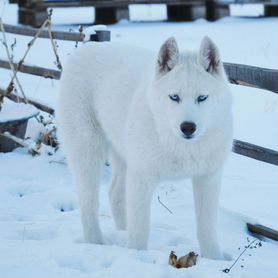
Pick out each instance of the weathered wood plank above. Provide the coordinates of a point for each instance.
(29, 31)
(31, 16)
(15, 142)
(102, 35)
(34, 70)
(113, 3)
(255, 152)
(271, 9)
(245, 2)
(185, 12)
(263, 230)
(216, 9)
(108, 11)
(252, 76)
(110, 15)
(109, 3)
(38, 105)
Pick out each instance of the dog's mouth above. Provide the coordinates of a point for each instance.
(188, 137)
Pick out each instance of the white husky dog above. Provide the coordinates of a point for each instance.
(155, 117)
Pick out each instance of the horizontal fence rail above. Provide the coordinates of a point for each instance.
(101, 35)
(109, 3)
(262, 231)
(12, 96)
(261, 78)
(76, 3)
(255, 152)
(34, 70)
(119, 3)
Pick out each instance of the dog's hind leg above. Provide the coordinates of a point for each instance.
(140, 189)
(206, 190)
(117, 192)
(85, 149)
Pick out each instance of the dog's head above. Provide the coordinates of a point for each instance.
(190, 93)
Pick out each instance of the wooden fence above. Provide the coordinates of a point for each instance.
(100, 36)
(238, 74)
(110, 11)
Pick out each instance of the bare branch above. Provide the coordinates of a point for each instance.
(49, 26)
(11, 64)
(158, 198)
(251, 245)
(30, 44)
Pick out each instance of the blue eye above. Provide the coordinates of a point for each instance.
(175, 98)
(202, 98)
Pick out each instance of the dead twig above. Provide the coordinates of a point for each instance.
(158, 198)
(251, 245)
(47, 23)
(11, 85)
(30, 44)
(62, 161)
(54, 46)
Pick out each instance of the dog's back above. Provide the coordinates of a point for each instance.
(99, 82)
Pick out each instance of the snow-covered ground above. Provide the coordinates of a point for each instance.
(40, 231)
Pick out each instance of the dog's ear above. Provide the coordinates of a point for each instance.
(168, 56)
(209, 56)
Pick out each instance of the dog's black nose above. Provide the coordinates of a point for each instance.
(188, 128)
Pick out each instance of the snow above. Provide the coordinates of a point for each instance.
(14, 111)
(40, 230)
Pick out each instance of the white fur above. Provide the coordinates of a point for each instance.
(114, 104)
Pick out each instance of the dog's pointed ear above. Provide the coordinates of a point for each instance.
(209, 56)
(168, 56)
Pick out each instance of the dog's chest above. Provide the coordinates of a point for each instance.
(183, 165)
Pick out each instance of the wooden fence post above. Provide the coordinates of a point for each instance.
(216, 10)
(271, 9)
(186, 12)
(109, 15)
(101, 36)
(30, 13)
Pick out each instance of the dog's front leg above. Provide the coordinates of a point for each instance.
(206, 190)
(139, 192)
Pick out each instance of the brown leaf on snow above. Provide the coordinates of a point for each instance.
(173, 259)
(183, 262)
